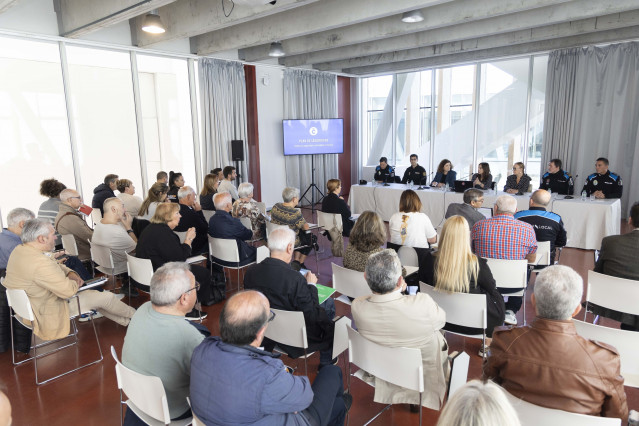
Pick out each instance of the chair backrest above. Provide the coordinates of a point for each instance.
(141, 270)
(329, 220)
(626, 343)
(349, 282)
(533, 415)
(543, 253)
(246, 221)
(288, 328)
(340, 337)
(408, 256)
(224, 249)
(101, 255)
(146, 392)
(261, 206)
(399, 366)
(509, 273)
(615, 293)
(208, 214)
(458, 372)
(262, 253)
(270, 226)
(465, 309)
(181, 235)
(96, 215)
(69, 245)
(19, 302)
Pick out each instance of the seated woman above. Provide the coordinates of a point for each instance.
(159, 243)
(455, 269)
(157, 194)
(445, 174)
(483, 179)
(209, 189)
(410, 227)
(286, 214)
(132, 203)
(176, 181)
(367, 237)
(334, 203)
(246, 206)
(518, 182)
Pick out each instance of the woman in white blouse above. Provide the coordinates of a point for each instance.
(410, 227)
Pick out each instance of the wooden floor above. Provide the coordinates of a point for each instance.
(91, 397)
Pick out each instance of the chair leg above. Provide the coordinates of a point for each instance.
(420, 409)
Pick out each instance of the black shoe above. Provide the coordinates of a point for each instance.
(196, 315)
(348, 400)
(125, 290)
(414, 408)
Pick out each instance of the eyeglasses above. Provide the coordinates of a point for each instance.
(79, 198)
(272, 317)
(196, 288)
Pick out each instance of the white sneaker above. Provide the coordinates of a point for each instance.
(85, 317)
(510, 318)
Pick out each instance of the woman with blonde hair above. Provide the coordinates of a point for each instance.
(209, 189)
(156, 195)
(455, 269)
(409, 227)
(518, 182)
(367, 237)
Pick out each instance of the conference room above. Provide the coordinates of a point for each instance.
(293, 93)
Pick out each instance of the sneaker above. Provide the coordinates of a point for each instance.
(196, 315)
(348, 400)
(85, 317)
(510, 318)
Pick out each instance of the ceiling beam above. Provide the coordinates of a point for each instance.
(563, 30)
(628, 33)
(437, 16)
(6, 4)
(188, 18)
(320, 16)
(80, 17)
(493, 25)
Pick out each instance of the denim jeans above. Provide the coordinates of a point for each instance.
(328, 406)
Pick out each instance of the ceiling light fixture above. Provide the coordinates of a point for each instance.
(412, 16)
(152, 23)
(276, 49)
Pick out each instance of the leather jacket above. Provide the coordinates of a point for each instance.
(546, 363)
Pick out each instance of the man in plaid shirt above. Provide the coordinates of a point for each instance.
(504, 237)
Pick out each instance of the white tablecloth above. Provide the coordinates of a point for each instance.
(586, 222)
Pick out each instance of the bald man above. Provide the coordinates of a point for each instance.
(548, 226)
(233, 381)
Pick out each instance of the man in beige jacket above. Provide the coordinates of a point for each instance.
(49, 284)
(69, 221)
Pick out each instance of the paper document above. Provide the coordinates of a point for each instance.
(195, 259)
(96, 282)
(324, 292)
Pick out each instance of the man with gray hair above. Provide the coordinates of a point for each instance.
(223, 225)
(49, 284)
(69, 221)
(390, 318)
(473, 199)
(547, 363)
(192, 217)
(289, 290)
(159, 342)
(504, 237)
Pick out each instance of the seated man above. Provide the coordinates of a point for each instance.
(618, 257)
(473, 199)
(48, 285)
(382, 318)
(504, 237)
(159, 342)
(227, 184)
(557, 180)
(104, 191)
(233, 381)
(69, 221)
(223, 225)
(192, 217)
(384, 172)
(603, 183)
(547, 363)
(548, 226)
(415, 173)
(288, 290)
(162, 177)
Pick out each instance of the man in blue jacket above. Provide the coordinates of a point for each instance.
(223, 225)
(235, 382)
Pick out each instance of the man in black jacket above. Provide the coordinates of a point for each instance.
(223, 225)
(289, 290)
(556, 179)
(415, 173)
(104, 191)
(192, 217)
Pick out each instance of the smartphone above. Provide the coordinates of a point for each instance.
(303, 271)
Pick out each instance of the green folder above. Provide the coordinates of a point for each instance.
(324, 292)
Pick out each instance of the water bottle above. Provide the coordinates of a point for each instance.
(583, 195)
(410, 184)
(446, 188)
(633, 418)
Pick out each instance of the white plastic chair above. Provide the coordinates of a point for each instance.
(462, 309)
(289, 328)
(246, 221)
(534, 415)
(196, 420)
(181, 235)
(459, 363)
(262, 253)
(610, 292)
(96, 216)
(147, 397)
(626, 343)
(261, 206)
(102, 256)
(69, 245)
(141, 270)
(226, 250)
(208, 214)
(349, 283)
(21, 307)
(510, 274)
(399, 366)
(409, 259)
(340, 337)
(543, 254)
(330, 220)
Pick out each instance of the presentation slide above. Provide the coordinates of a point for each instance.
(303, 137)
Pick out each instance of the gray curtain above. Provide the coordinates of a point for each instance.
(310, 95)
(223, 101)
(592, 110)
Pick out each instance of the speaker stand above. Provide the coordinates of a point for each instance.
(312, 187)
(237, 171)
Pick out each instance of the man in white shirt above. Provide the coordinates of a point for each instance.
(227, 184)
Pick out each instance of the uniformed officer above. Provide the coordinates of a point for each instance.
(384, 172)
(604, 183)
(556, 179)
(415, 173)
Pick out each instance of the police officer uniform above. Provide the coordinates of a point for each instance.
(560, 182)
(416, 175)
(609, 183)
(548, 226)
(384, 175)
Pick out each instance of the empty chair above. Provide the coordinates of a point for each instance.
(289, 328)
(510, 274)
(225, 250)
(349, 283)
(611, 292)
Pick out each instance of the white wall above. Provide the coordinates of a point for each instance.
(33, 16)
(270, 112)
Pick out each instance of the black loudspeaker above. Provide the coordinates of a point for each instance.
(237, 150)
